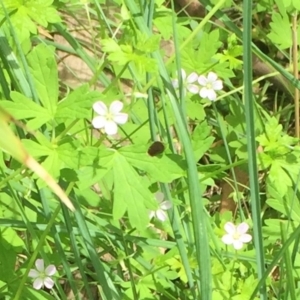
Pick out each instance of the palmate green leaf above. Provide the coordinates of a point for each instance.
(35, 149)
(26, 13)
(164, 168)
(279, 177)
(24, 108)
(57, 157)
(281, 33)
(42, 12)
(201, 140)
(44, 70)
(96, 163)
(116, 53)
(130, 194)
(201, 58)
(147, 44)
(78, 104)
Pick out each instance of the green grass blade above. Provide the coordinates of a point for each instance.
(251, 144)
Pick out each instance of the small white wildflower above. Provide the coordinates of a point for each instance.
(188, 82)
(160, 213)
(109, 118)
(41, 275)
(210, 84)
(236, 235)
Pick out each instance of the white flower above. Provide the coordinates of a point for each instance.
(210, 84)
(160, 213)
(188, 82)
(41, 275)
(236, 235)
(109, 118)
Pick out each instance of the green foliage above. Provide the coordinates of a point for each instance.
(278, 156)
(109, 248)
(24, 15)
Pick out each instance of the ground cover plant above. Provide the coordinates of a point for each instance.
(149, 149)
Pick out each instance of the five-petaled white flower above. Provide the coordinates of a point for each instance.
(41, 275)
(160, 213)
(236, 235)
(109, 118)
(188, 82)
(210, 84)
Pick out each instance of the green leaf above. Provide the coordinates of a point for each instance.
(24, 108)
(130, 195)
(96, 163)
(35, 149)
(41, 12)
(276, 172)
(78, 104)
(44, 69)
(202, 58)
(163, 168)
(201, 140)
(281, 30)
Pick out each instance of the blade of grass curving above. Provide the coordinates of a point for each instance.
(275, 261)
(290, 282)
(81, 53)
(173, 216)
(108, 287)
(76, 253)
(4, 85)
(12, 66)
(28, 76)
(178, 62)
(57, 240)
(175, 223)
(35, 253)
(251, 144)
(198, 216)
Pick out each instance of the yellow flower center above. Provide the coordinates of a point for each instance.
(109, 116)
(236, 236)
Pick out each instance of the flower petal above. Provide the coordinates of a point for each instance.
(38, 283)
(230, 228)
(161, 215)
(159, 196)
(192, 77)
(204, 92)
(217, 85)
(49, 283)
(39, 264)
(99, 122)
(192, 88)
(175, 83)
(151, 214)
(110, 127)
(211, 95)
(100, 108)
(202, 80)
(211, 77)
(166, 205)
(33, 273)
(115, 107)
(50, 270)
(237, 244)
(227, 239)
(120, 118)
(242, 228)
(245, 238)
